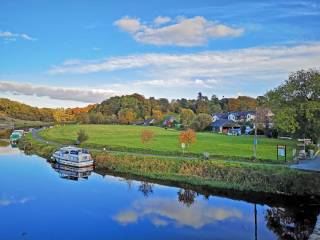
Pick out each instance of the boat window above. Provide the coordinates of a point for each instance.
(85, 151)
(74, 152)
(66, 152)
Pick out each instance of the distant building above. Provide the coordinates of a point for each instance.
(170, 121)
(149, 122)
(242, 116)
(224, 125)
(246, 116)
(230, 122)
(218, 116)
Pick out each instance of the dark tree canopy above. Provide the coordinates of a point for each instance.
(296, 104)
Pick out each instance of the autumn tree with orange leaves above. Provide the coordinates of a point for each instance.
(188, 137)
(126, 116)
(147, 136)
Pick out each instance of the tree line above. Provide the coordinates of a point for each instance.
(131, 108)
(295, 105)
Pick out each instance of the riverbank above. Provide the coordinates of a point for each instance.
(242, 176)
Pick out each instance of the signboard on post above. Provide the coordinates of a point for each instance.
(183, 146)
(282, 152)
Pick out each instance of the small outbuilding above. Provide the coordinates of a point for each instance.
(149, 122)
(223, 125)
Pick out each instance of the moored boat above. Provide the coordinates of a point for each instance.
(16, 135)
(73, 156)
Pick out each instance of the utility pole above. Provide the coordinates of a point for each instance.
(255, 137)
(255, 223)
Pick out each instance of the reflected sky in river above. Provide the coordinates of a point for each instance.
(6, 148)
(38, 201)
(165, 211)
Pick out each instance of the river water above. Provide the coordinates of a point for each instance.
(43, 201)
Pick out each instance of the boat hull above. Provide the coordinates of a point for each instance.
(74, 164)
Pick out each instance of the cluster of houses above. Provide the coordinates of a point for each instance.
(231, 122)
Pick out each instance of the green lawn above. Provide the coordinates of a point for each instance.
(122, 137)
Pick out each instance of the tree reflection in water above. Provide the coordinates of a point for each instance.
(290, 224)
(187, 197)
(146, 189)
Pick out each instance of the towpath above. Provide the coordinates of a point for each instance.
(309, 165)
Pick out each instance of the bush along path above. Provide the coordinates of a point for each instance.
(244, 176)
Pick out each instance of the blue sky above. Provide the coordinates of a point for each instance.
(70, 53)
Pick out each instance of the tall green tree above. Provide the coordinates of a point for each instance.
(187, 116)
(296, 104)
(203, 121)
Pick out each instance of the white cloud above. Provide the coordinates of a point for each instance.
(130, 25)
(80, 95)
(250, 71)
(4, 202)
(9, 36)
(208, 65)
(164, 211)
(161, 20)
(185, 32)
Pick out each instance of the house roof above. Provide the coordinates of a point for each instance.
(224, 123)
(149, 121)
(221, 115)
(242, 114)
(236, 114)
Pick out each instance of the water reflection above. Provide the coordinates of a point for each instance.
(72, 173)
(4, 202)
(291, 223)
(129, 207)
(7, 148)
(146, 188)
(165, 211)
(187, 196)
(4, 143)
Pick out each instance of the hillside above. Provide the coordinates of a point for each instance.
(23, 114)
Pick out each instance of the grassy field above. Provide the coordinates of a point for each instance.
(127, 138)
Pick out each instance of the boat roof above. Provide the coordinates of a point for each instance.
(69, 148)
(18, 131)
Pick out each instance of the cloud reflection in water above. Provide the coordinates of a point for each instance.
(164, 211)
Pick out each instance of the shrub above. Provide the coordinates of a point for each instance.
(147, 136)
(203, 120)
(82, 136)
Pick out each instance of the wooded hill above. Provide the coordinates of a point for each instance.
(15, 110)
(120, 108)
(133, 107)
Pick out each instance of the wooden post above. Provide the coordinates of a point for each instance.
(255, 136)
(255, 143)
(285, 153)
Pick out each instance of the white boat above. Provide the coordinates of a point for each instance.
(73, 156)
